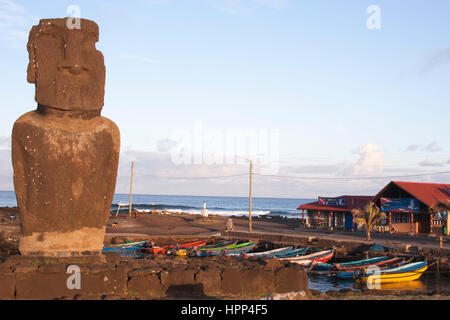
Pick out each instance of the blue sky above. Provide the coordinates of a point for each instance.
(346, 101)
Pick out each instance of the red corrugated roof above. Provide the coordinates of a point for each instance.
(353, 202)
(427, 193)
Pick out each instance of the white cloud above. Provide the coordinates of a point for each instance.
(236, 7)
(413, 147)
(9, 5)
(436, 58)
(165, 145)
(432, 147)
(276, 4)
(370, 162)
(15, 23)
(428, 163)
(5, 142)
(152, 172)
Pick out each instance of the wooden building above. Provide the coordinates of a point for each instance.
(409, 206)
(333, 213)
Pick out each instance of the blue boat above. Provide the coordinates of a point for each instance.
(328, 267)
(231, 252)
(359, 262)
(322, 267)
(121, 249)
(292, 253)
(381, 265)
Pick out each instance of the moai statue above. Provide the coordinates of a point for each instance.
(65, 154)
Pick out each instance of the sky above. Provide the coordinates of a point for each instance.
(326, 96)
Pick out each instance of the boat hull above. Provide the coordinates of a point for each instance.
(404, 273)
(394, 278)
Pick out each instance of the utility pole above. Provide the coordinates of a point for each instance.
(250, 199)
(131, 187)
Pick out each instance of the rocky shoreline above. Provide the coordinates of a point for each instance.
(151, 272)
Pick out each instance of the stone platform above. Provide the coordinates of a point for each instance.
(111, 277)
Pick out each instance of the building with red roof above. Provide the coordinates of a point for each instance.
(409, 206)
(333, 213)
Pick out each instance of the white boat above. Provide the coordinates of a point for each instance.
(266, 253)
(321, 256)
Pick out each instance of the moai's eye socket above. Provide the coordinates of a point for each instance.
(49, 42)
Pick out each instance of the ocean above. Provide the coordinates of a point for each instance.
(224, 206)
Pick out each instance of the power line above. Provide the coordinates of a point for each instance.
(293, 177)
(354, 178)
(192, 178)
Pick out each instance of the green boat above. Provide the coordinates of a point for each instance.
(130, 244)
(202, 252)
(219, 245)
(232, 246)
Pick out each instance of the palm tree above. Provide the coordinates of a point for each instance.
(368, 217)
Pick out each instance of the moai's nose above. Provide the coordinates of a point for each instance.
(73, 52)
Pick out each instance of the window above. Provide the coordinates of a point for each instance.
(401, 217)
(340, 219)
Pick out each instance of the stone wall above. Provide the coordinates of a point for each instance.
(111, 277)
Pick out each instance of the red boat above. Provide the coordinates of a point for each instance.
(322, 256)
(163, 249)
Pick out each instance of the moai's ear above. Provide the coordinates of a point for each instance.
(31, 70)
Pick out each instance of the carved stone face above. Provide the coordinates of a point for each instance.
(67, 69)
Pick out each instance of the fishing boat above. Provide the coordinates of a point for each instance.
(292, 253)
(223, 247)
(241, 250)
(120, 249)
(325, 268)
(321, 268)
(353, 272)
(220, 244)
(156, 249)
(130, 244)
(307, 260)
(181, 253)
(358, 263)
(167, 249)
(192, 244)
(189, 245)
(383, 264)
(404, 273)
(205, 252)
(265, 254)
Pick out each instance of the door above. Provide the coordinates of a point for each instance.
(348, 221)
(423, 221)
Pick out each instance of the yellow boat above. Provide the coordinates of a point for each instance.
(181, 253)
(408, 272)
